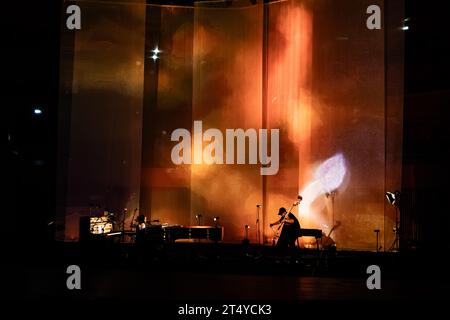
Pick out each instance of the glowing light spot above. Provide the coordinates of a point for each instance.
(331, 173)
(156, 50)
(37, 111)
(328, 176)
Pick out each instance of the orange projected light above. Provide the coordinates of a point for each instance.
(297, 68)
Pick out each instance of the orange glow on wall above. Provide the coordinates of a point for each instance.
(299, 66)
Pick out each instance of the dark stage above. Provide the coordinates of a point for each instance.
(195, 126)
(188, 272)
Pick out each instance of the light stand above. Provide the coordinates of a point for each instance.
(395, 244)
(394, 199)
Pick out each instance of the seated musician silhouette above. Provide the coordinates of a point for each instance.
(290, 230)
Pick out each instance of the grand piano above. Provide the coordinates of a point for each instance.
(173, 233)
(316, 233)
(170, 234)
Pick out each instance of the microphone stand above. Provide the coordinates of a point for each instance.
(132, 219)
(332, 194)
(258, 230)
(199, 219)
(123, 223)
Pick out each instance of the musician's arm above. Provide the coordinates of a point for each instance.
(289, 221)
(275, 223)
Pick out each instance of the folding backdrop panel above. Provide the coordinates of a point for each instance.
(227, 94)
(311, 68)
(165, 187)
(288, 65)
(349, 120)
(326, 90)
(102, 104)
(347, 125)
(394, 71)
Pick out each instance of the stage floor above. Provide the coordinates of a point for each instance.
(199, 271)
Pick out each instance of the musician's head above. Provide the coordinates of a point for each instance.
(141, 219)
(282, 211)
